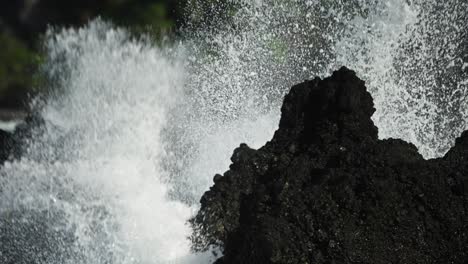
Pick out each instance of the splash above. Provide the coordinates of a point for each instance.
(90, 186)
(134, 132)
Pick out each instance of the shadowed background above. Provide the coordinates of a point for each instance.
(24, 22)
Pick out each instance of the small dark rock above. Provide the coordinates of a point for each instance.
(217, 178)
(11, 143)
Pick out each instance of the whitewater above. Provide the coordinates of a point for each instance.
(134, 131)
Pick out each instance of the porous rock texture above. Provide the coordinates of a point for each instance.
(325, 189)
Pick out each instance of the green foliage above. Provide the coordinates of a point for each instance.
(210, 13)
(155, 15)
(279, 49)
(17, 63)
(154, 18)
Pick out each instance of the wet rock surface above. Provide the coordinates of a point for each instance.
(12, 142)
(325, 189)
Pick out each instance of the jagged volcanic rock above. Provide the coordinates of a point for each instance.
(325, 189)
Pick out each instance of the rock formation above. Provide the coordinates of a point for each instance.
(325, 189)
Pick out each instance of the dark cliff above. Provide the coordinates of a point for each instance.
(325, 189)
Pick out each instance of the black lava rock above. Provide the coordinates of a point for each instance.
(325, 189)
